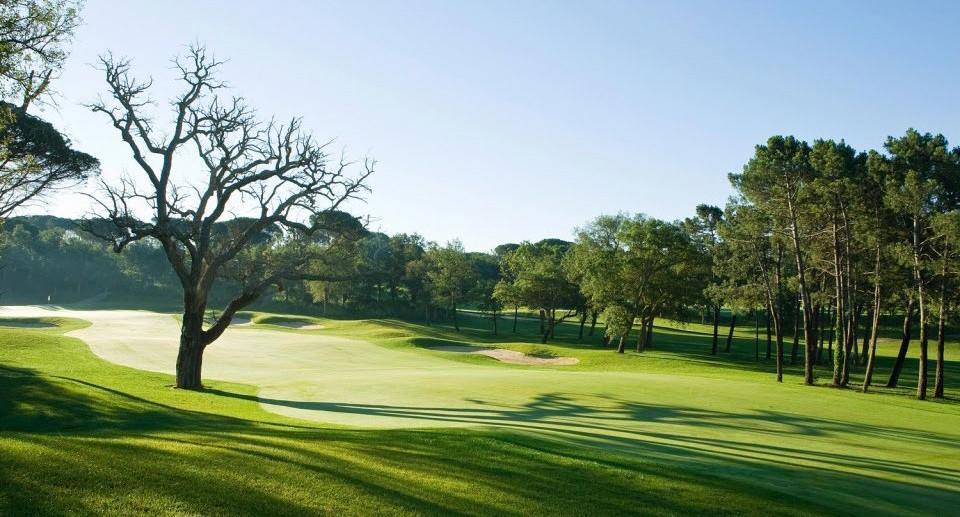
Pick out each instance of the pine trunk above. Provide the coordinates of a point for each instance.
(941, 325)
(796, 335)
(938, 376)
(922, 309)
(904, 346)
(733, 324)
(716, 325)
(874, 326)
(769, 335)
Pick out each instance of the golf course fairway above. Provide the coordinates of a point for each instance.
(833, 450)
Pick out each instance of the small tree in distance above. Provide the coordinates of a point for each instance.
(274, 173)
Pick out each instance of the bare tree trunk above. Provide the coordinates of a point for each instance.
(583, 321)
(866, 336)
(756, 337)
(922, 309)
(774, 304)
(833, 331)
(553, 323)
(769, 336)
(649, 342)
(642, 335)
(875, 325)
(190, 354)
(904, 345)
(922, 374)
(777, 306)
(779, 332)
(733, 324)
(941, 337)
(796, 334)
(941, 325)
(818, 349)
(189, 365)
(716, 324)
(848, 347)
(839, 359)
(593, 322)
(625, 336)
(808, 375)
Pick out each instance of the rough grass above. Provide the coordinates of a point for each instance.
(702, 435)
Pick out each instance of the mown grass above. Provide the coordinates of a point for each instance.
(678, 348)
(80, 435)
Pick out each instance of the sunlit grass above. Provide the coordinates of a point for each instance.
(81, 435)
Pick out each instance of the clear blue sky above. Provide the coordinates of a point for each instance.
(504, 121)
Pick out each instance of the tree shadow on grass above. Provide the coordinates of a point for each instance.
(626, 424)
(100, 450)
(366, 472)
(49, 403)
(531, 458)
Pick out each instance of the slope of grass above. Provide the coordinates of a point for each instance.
(702, 435)
(678, 348)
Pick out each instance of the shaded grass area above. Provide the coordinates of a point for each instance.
(79, 435)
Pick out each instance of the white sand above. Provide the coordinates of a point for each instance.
(508, 356)
(297, 324)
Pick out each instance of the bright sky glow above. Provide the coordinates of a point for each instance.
(503, 121)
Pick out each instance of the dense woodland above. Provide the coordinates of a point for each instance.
(819, 242)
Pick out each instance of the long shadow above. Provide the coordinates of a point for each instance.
(34, 402)
(629, 422)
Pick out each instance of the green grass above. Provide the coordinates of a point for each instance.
(670, 431)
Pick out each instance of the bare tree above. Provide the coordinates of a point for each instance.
(274, 173)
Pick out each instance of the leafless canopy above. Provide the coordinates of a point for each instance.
(258, 178)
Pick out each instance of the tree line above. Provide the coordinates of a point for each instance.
(819, 238)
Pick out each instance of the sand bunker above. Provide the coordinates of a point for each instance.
(507, 356)
(297, 324)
